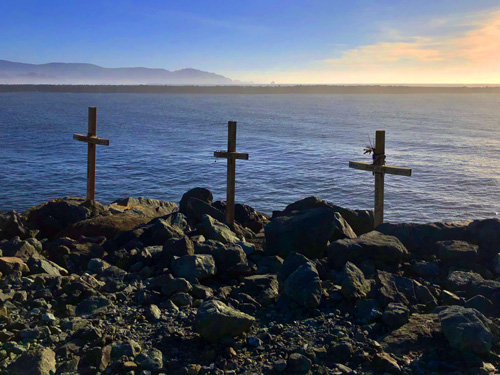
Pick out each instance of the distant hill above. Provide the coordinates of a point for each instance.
(80, 73)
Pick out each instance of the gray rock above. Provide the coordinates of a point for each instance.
(367, 310)
(421, 331)
(213, 229)
(304, 286)
(181, 299)
(361, 221)
(97, 266)
(270, 264)
(10, 264)
(196, 208)
(462, 281)
(215, 320)
(46, 266)
(129, 348)
(92, 305)
(171, 286)
(481, 304)
(392, 288)
(457, 253)
(264, 288)
(153, 313)
(487, 234)
(298, 363)
(449, 299)
(23, 249)
(199, 193)
(293, 261)
(466, 330)
(150, 359)
(373, 245)
(229, 256)
(420, 239)
(395, 315)
(306, 232)
(193, 267)
(426, 270)
(38, 362)
(159, 232)
(424, 296)
(342, 229)
(354, 284)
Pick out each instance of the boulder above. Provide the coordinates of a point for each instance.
(367, 310)
(215, 321)
(129, 348)
(421, 331)
(264, 288)
(199, 193)
(39, 362)
(150, 359)
(229, 257)
(13, 225)
(196, 208)
(342, 229)
(47, 267)
(10, 264)
(466, 330)
(24, 249)
(215, 230)
(462, 281)
(457, 253)
(250, 218)
(148, 207)
(420, 239)
(361, 221)
(304, 286)
(354, 284)
(159, 231)
(293, 261)
(394, 289)
(395, 315)
(52, 217)
(194, 267)
(487, 234)
(374, 245)
(306, 232)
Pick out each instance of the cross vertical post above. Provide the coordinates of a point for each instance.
(379, 159)
(379, 169)
(231, 172)
(92, 140)
(231, 155)
(91, 154)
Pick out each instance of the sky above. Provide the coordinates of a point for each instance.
(305, 42)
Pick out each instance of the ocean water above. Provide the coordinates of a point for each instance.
(161, 145)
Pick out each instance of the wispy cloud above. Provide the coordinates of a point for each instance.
(457, 49)
(474, 52)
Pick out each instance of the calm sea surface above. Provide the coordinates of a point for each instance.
(161, 145)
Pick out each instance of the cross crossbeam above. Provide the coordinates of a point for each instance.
(92, 140)
(379, 169)
(231, 155)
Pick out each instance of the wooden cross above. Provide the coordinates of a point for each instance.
(92, 141)
(379, 169)
(231, 155)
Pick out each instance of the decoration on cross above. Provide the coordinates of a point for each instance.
(379, 169)
(231, 155)
(92, 140)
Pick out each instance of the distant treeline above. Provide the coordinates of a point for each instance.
(299, 89)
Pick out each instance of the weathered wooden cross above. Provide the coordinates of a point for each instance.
(231, 155)
(92, 140)
(379, 169)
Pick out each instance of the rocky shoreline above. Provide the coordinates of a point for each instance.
(151, 287)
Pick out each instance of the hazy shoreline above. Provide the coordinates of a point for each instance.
(252, 90)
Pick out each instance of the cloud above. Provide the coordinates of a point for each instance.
(472, 55)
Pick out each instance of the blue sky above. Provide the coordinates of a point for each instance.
(330, 41)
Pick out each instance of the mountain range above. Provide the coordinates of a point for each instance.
(82, 73)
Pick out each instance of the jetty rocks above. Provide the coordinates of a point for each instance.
(145, 287)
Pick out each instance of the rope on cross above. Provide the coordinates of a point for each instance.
(92, 140)
(379, 169)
